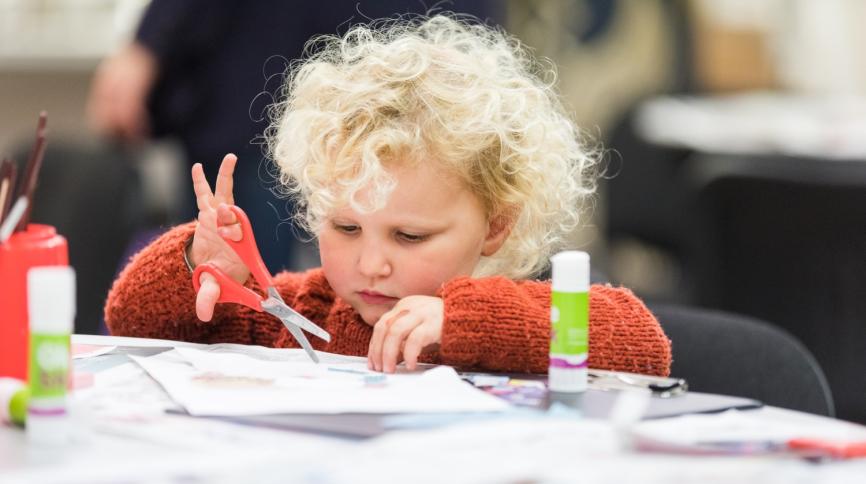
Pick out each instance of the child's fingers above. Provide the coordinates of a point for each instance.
(231, 232)
(392, 345)
(227, 223)
(380, 330)
(203, 194)
(419, 339)
(225, 179)
(375, 351)
(207, 296)
(207, 218)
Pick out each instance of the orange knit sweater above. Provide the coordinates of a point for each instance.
(493, 324)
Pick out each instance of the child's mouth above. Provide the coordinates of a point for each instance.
(373, 297)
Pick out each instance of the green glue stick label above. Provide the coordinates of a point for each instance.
(48, 371)
(569, 317)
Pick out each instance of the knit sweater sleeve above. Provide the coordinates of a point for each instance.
(498, 324)
(153, 297)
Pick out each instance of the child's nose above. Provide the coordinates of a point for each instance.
(373, 261)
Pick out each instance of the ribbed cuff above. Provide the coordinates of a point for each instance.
(186, 248)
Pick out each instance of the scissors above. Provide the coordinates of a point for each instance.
(233, 292)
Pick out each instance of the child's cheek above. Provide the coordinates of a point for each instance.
(426, 278)
(333, 264)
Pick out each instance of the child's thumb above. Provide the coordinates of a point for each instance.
(208, 294)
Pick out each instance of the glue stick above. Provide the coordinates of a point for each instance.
(569, 318)
(13, 401)
(51, 307)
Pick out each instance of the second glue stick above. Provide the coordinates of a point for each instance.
(569, 318)
(51, 307)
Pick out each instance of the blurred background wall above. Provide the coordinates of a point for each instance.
(48, 52)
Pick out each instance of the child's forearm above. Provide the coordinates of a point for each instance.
(497, 324)
(153, 296)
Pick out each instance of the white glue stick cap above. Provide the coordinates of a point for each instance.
(570, 271)
(51, 299)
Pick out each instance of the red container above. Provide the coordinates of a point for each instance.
(39, 245)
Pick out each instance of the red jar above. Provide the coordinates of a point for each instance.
(39, 245)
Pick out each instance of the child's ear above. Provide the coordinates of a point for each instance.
(498, 229)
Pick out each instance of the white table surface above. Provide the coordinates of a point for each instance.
(151, 446)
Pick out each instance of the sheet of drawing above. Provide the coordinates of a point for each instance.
(295, 355)
(130, 342)
(221, 383)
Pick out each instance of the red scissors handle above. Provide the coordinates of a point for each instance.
(248, 251)
(230, 290)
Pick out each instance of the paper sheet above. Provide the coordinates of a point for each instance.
(227, 383)
(80, 351)
(130, 342)
(736, 426)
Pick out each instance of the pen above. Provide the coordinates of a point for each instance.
(828, 448)
(31, 174)
(807, 448)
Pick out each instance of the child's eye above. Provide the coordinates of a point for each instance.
(412, 238)
(346, 229)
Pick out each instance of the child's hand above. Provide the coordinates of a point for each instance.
(413, 324)
(215, 220)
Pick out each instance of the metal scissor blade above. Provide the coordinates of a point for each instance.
(275, 305)
(300, 338)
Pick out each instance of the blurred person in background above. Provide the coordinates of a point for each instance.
(204, 72)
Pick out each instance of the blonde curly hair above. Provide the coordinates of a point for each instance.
(443, 90)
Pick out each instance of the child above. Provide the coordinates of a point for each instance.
(438, 171)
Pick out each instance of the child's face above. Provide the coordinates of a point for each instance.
(431, 230)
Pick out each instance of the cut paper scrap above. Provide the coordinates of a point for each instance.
(208, 383)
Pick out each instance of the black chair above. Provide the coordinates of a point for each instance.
(785, 241)
(729, 354)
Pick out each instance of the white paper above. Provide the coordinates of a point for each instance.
(81, 351)
(220, 383)
(124, 392)
(734, 426)
(130, 342)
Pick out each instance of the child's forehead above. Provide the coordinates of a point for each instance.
(418, 188)
(423, 177)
